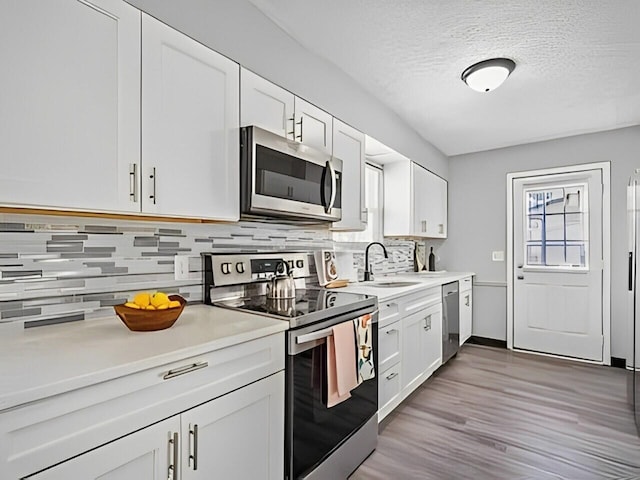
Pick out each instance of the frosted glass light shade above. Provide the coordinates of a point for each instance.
(489, 74)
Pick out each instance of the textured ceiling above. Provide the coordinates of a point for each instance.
(578, 62)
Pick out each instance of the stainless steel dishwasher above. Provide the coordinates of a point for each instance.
(450, 320)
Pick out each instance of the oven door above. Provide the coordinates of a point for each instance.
(288, 179)
(314, 431)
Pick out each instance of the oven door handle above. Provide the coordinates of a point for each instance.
(324, 333)
(310, 337)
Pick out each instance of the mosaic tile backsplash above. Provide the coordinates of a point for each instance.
(62, 269)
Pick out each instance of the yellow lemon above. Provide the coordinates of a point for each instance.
(132, 305)
(164, 306)
(159, 298)
(174, 304)
(142, 299)
(149, 307)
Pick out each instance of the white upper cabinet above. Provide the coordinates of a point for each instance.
(348, 146)
(415, 202)
(265, 104)
(313, 126)
(190, 127)
(70, 114)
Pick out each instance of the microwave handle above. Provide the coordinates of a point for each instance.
(332, 200)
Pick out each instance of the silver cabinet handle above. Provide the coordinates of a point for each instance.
(194, 456)
(392, 375)
(441, 226)
(298, 137)
(153, 191)
(173, 460)
(390, 331)
(293, 126)
(427, 323)
(133, 182)
(466, 300)
(424, 225)
(520, 277)
(364, 216)
(176, 372)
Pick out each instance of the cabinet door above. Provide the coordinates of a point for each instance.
(265, 105)
(389, 345)
(421, 346)
(190, 127)
(466, 316)
(422, 198)
(144, 455)
(413, 358)
(239, 435)
(70, 110)
(348, 146)
(313, 126)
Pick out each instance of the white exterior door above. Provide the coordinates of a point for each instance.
(190, 127)
(558, 264)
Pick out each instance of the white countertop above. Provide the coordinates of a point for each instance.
(39, 362)
(423, 281)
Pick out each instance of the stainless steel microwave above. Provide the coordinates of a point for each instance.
(285, 179)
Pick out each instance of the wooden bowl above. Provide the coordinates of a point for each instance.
(139, 320)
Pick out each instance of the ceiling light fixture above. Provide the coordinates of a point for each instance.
(489, 74)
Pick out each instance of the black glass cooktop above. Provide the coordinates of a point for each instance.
(309, 305)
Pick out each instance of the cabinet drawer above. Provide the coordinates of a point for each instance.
(389, 313)
(415, 302)
(46, 432)
(389, 386)
(465, 284)
(389, 339)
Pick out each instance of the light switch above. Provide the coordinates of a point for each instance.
(497, 256)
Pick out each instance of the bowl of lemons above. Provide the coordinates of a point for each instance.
(150, 311)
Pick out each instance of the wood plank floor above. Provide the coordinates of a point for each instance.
(494, 414)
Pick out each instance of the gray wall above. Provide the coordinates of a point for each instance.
(477, 217)
(240, 31)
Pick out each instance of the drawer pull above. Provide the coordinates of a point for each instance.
(391, 330)
(466, 300)
(391, 376)
(186, 369)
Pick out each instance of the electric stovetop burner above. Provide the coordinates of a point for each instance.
(309, 305)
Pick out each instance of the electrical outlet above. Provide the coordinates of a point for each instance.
(497, 256)
(187, 267)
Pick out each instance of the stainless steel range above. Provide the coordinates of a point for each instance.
(321, 442)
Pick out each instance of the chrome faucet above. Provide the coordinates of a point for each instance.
(367, 268)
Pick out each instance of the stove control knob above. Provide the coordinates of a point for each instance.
(299, 263)
(240, 267)
(226, 268)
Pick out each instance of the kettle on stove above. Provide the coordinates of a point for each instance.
(281, 285)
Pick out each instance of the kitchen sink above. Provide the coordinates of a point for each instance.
(391, 284)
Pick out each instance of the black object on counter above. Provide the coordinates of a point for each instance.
(432, 261)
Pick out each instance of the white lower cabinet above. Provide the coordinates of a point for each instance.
(421, 347)
(466, 309)
(143, 455)
(239, 435)
(409, 345)
(389, 390)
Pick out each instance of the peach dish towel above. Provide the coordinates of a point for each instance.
(341, 363)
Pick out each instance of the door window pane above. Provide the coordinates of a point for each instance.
(556, 226)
